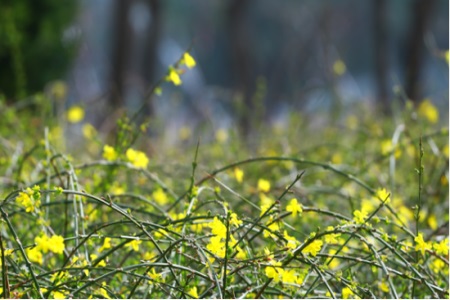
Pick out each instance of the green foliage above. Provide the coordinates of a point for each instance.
(32, 50)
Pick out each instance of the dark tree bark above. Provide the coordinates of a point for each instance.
(414, 61)
(381, 54)
(240, 48)
(151, 47)
(121, 47)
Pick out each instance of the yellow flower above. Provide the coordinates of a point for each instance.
(106, 244)
(42, 243)
(387, 148)
(102, 263)
(234, 220)
(384, 287)
(173, 76)
(134, 244)
(263, 185)
(156, 277)
(313, 248)
(421, 244)
(264, 208)
(188, 60)
(88, 131)
(56, 244)
(346, 293)
(442, 247)
(339, 67)
(75, 114)
(238, 174)
(216, 246)
(221, 135)
(30, 199)
(159, 196)
(34, 255)
(273, 228)
(59, 295)
(428, 111)
(383, 195)
(292, 242)
(331, 238)
(274, 272)
(218, 228)
(289, 276)
(137, 158)
(432, 222)
(109, 153)
(294, 207)
(193, 292)
(359, 216)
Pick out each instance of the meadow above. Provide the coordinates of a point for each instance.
(356, 207)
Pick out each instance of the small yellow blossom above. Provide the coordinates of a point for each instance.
(384, 287)
(221, 135)
(30, 199)
(184, 133)
(274, 271)
(263, 185)
(56, 244)
(188, 60)
(137, 158)
(193, 292)
(346, 293)
(75, 114)
(331, 238)
(34, 255)
(106, 244)
(313, 248)
(102, 263)
(109, 153)
(292, 242)
(421, 244)
(383, 195)
(59, 295)
(274, 227)
(238, 174)
(234, 220)
(294, 207)
(387, 148)
(216, 246)
(428, 111)
(88, 131)
(156, 277)
(359, 216)
(160, 196)
(173, 77)
(134, 245)
(339, 67)
(441, 247)
(218, 228)
(432, 222)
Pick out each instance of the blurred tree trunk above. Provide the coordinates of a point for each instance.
(241, 58)
(121, 48)
(151, 47)
(129, 71)
(415, 47)
(381, 54)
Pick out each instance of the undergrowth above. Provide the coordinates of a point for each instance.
(355, 209)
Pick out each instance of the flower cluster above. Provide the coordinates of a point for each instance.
(217, 241)
(30, 198)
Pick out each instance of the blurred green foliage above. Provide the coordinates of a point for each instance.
(32, 49)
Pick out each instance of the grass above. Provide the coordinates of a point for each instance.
(354, 208)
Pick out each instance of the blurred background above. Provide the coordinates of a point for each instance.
(256, 60)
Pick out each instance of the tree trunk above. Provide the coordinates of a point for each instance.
(415, 45)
